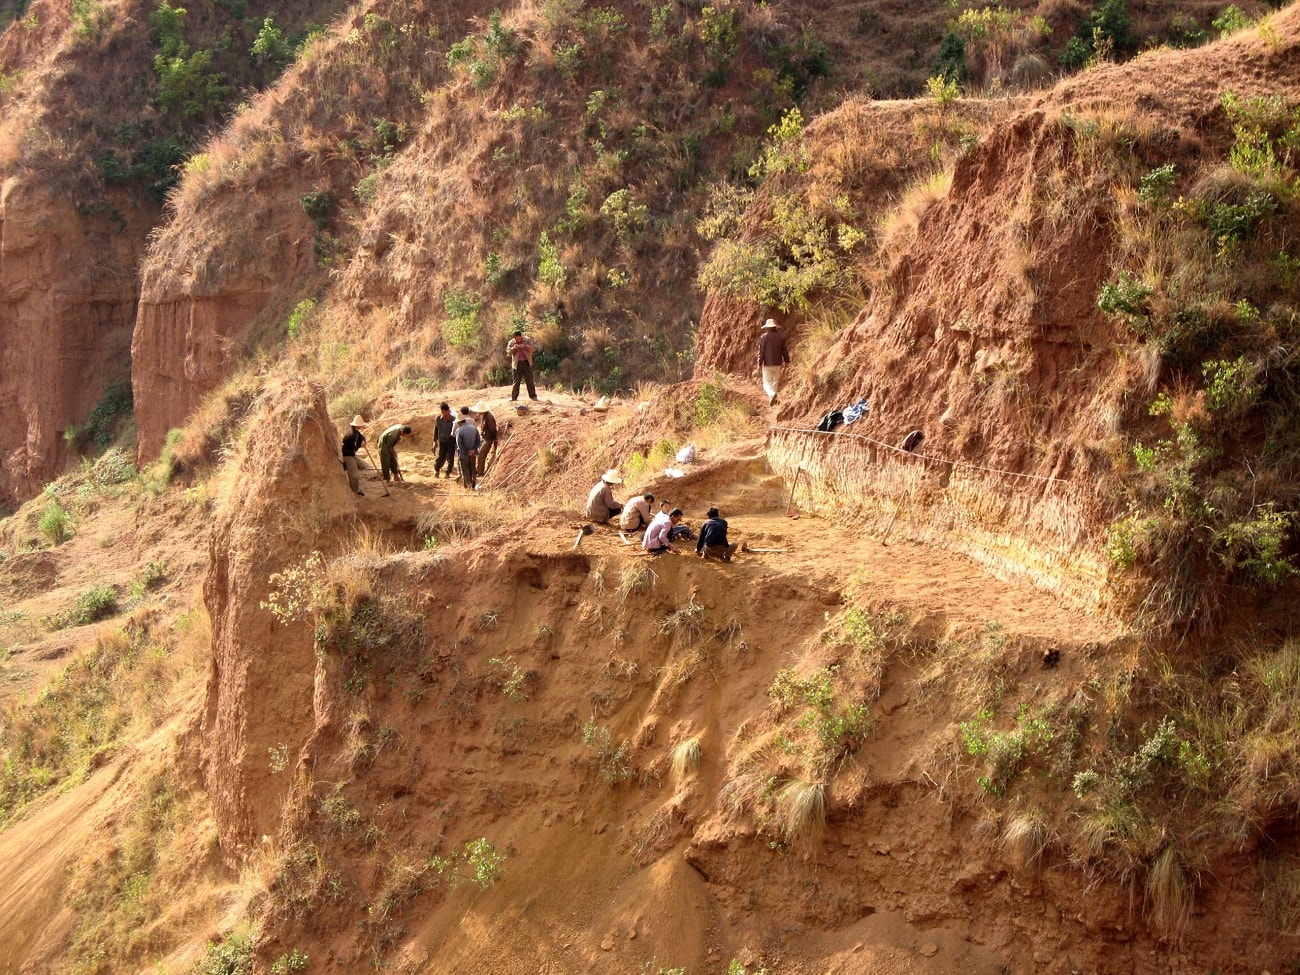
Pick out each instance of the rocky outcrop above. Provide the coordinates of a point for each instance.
(67, 302)
(286, 496)
(184, 347)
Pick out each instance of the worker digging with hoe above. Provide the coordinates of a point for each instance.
(388, 441)
(487, 429)
(601, 505)
(353, 441)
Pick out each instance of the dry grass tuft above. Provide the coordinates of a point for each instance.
(462, 517)
(1169, 890)
(685, 759)
(636, 577)
(802, 809)
(1026, 838)
(684, 625)
(898, 228)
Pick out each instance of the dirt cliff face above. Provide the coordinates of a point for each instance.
(66, 312)
(286, 497)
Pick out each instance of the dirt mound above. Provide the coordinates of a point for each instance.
(284, 501)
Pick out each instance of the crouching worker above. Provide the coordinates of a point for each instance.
(636, 515)
(388, 451)
(713, 543)
(657, 538)
(601, 505)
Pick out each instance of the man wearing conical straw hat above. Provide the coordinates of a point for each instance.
(353, 442)
(773, 357)
(601, 505)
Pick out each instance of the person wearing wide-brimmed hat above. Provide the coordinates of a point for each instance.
(773, 357)
(487, 429)
(352, 442)
(601, 505)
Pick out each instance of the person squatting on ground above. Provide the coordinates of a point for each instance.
(601, 505)
(353, 441)
(444, 442)
(636, 514)
(712, 543)
(388, 451)
(468, 443)
(520, 351)
(657, 538)
(487, 429)
(773, 357)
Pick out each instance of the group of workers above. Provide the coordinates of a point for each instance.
(661, 530)
(470, 441)
(467, 440)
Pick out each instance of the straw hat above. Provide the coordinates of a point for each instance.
(479, 407)
(357, 421)
(611, 477)
(771, 323)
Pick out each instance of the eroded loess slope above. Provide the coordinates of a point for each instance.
(101, 104)
(1095, 253)
(514, 752)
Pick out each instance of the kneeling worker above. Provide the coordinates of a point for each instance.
(601, 505)
(636, 515)
(712, 543)
(657, 535)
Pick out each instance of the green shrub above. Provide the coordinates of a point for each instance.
(301, 312)
(1231, 20)
(232, 956)
(91, 606)
(290, 963)
(709, 404)
(271, 48)
(318, 205)
(943, 90)
(462, 327)
(550, 271)
(115, 403)
(478, 862)
(54, 524)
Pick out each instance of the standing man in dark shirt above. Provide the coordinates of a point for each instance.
(352, 442)
(713, 538)
(487, 429)
(468, 442)
(773, 357)
(444, 442)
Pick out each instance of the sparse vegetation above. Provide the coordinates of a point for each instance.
(611, 759)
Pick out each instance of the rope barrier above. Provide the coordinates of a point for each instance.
(925, 457)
